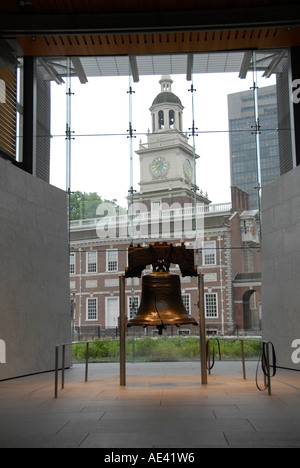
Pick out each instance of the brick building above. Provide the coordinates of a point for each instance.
(169, 207)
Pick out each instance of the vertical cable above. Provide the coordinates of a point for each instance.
(131, 191)
(194, 134)
(68, 140)
(257, 134)
(201, 300)
(68, 125)
(130, 137)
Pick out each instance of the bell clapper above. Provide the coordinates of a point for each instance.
(160, 328)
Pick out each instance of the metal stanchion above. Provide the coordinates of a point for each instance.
(202, 329)
(56, 373)
(122, 331)
(268, 370)
(243, 359)
(63, 367)
(87, 362)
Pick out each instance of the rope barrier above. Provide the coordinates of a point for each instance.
(264, 359)
(210, 366)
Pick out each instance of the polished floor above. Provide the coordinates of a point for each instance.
(163, 405)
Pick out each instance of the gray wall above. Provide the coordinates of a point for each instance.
(281, 266)
(34, 280)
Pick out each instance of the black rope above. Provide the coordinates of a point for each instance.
(263, 359)
(210, 367)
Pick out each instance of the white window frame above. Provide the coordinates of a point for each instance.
(211, 306)
(92, 266)
(209, 253)
(186, 299)
(136, 300)
(110, 263)
(89, 311)
(72, 263)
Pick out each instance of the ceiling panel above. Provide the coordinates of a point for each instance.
(163, 64)
(141, 44)
(134, 27)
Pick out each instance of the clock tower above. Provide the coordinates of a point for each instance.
(166, 158)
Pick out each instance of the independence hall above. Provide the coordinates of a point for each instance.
(169, 208)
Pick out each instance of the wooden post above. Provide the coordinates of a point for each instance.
(243, 359)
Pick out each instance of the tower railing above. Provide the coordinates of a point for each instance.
(177, 213)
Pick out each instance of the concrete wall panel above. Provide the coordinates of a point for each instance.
(281, 266)
(34, 277)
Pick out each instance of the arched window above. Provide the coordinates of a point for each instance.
(161, 119)
(180, 121)
(171, 118)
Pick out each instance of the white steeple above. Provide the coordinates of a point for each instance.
(167, 158)
(166, 83)
(166, 108)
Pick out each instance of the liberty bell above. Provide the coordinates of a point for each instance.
(161, 301)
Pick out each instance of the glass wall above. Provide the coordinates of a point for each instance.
(163, 148)
(224, 112)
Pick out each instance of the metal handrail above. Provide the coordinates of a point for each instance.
(242, 340)
(265, 360)
(63, 346)
(266, 363)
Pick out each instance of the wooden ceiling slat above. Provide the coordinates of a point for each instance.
(180, 42)
(65, 40)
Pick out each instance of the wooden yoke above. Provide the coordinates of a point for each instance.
(158, 253)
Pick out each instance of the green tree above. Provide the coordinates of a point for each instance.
(84, 205)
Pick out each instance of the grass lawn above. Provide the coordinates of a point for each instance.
(165, 349)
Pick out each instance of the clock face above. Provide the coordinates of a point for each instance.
(187, 168)
(159, 167)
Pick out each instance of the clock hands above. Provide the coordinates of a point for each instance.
(159, 166)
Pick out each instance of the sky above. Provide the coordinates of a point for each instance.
(100, 150)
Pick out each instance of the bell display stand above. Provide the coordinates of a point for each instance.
(161, 301)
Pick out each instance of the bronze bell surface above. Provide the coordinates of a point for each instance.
(161, 302)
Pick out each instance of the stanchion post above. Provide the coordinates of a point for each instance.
(202, 329)
(87, 362)
(122, 331)
(56, 373)
(243, 359)
(63, 367)
(268, 370)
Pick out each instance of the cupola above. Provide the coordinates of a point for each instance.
(166, 109)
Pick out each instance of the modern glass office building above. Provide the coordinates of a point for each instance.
(245, 160)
